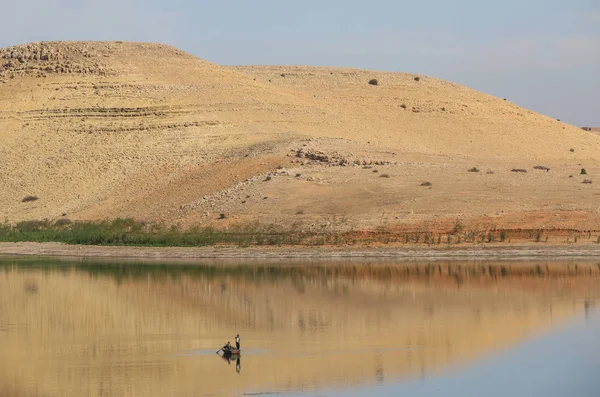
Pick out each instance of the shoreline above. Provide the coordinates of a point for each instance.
(531, 251)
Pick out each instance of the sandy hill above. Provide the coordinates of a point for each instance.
(104, 129)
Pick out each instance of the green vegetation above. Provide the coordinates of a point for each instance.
(131, 232)
(538, 236)
(128, 232)
(373, 82)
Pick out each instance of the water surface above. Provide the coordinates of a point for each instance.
(345, 328)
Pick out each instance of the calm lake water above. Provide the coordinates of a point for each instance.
(85, 328)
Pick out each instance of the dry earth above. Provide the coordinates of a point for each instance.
(520, 253)
(101, 130)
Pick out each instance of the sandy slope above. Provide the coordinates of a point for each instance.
(99, 130)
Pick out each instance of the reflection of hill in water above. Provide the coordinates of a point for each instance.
(90, 328)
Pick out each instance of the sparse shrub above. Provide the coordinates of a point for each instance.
(298, 175)
(417, 78)
(583, 172)
(571, 150)
(375, 171)
(222, 216)
(27, 199)
(426, 184)
(403, 106)
(268, 178)
(300, 212)
(490, 172)
(62, 222)
(587, 181)
(280, 167)
(518, 170)
(443, 109)
(384, 176)
(474, 169)
(458, 227)
(373, 82)
(541, 167)
(31, 226)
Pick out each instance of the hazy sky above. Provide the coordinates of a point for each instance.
(541, 54)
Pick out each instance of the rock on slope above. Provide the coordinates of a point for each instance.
(104, 129)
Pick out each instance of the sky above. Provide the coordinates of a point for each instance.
(540, 54)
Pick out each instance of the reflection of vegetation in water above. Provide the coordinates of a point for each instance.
(456, 272)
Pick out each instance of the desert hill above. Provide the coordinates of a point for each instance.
(98, 130)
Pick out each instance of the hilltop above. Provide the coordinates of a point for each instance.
(98, 130)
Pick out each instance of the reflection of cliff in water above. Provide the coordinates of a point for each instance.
(321, 324)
